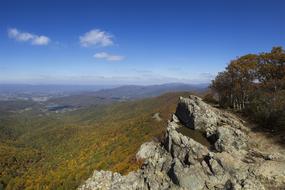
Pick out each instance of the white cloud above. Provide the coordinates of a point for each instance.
(96, 37)
(109, 57)
(41, 40)
(27, 37)
(14, 33)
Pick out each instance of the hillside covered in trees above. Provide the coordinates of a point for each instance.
(255, 85)
(59, 151)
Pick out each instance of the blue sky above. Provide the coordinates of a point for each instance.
(132, 42)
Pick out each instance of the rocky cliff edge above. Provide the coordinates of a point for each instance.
(220, 155)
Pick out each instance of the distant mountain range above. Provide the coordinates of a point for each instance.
(127, 92)
(27, 88)
(17, 97)
(136, 91)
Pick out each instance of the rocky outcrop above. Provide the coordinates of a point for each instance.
(182, 162)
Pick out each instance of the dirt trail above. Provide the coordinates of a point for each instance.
(265, 140)
(268, 142)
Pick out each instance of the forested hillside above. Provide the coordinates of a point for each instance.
(59, 151)
(255, 85)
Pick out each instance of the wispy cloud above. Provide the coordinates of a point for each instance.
(139, 71)
(207, 76)
(109, 57)
(96, 37)
(34, 39)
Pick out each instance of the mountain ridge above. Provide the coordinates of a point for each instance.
(126, 92)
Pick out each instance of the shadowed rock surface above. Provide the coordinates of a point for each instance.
(222, 157)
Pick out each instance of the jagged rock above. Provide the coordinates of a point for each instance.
(216, 168)
(229, 138)
(272, 173)
(251, 184)
(196, 114)
(146, 150)
(230, 163)
(176, 120)
(190, 177)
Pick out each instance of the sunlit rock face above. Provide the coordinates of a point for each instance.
(228, 160)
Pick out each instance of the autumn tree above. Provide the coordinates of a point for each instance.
(221, 86)
(269, 100)
(255, 84)
(234, 85)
